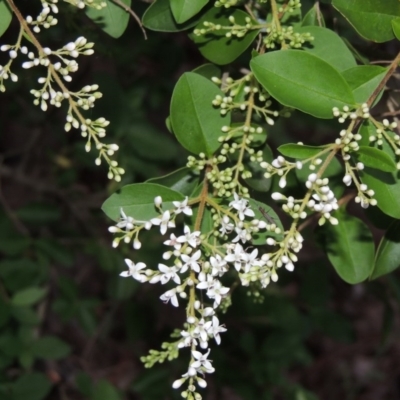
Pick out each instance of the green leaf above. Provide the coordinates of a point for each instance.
(25, 315)
(208, 71)
(182, 180)
(387, 257)
(313, 17)
(396, 27)
(50, 348)
(195, 121)
(112, 19)
(258, 181)
(328, 46)
(33, 386)
(302, 80)
(372, 19)
(105, 391)
(215, 46)
(186, 9)
(5, 16)
(363, 80)
(349, 247)
(260, 209)
(299, 151)
(28, 296)
(137, 201)
(158, 17)
(375, 158)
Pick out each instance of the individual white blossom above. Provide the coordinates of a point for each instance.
(135, 270)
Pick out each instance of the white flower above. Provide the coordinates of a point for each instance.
(216, 292)
(241, 206)
(134, 270)
(242, 235)
(182, 207)
(216, 329)
(191, 262)
(205, 281)
(188, 339)
(218, 265)
(202, 364)
(201, 330)
(236, 257)
(170, 295)
(249, 259)
(193, 239)
(226, 225)
(168, 273)
(164, 222)
(172, 241)
(126, 222)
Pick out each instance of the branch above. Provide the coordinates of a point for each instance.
(132, 13)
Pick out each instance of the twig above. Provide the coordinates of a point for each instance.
(133, 14)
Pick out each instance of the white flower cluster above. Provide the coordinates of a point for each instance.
(282, 167)
(45, 19)
(348, 113)
(194, 264)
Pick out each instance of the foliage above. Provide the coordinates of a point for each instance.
(238, 209)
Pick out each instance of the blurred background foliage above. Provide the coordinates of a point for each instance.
(72, 329)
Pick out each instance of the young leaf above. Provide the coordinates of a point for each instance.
(137, 201)
(375, 158)
(5, 16)
(113, 19)
(299, 151)
(363, 80)
(349, 247)
(328, 46)
(195, 121)
(158, 17)
(287, 76)
(28, 296)
(182, 180)
(186, 9)
(387, 257)
(215, 46)
(372, 19)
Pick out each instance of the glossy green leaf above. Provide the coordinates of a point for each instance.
(195, 121)
(372, 19)
(329, 46)
(396, 27)
(182, 180)
(375, 158)
(267, 214)
(112, 19)
(183, 10)
(299, 151)
(258, 181)
(313, 17)
(215, 46)
(5, 16)
(302, 80)
(158, 17)
(32, 386)
(387, 257)
(363, 80)
(137, 201)
(50, 348)
(28, 296)
(349, 247)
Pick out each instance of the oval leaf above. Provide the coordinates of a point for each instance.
(349, 247)
(183, 180)
(158, 17)
(299, 151)
(112, 19)
(388, 255)
(376, 158)
(372, 19)
(313, 17)
(396, 27)
(137, 201)
(215, 46)
(28, 296)
(50, 348)
(328, 46)
(363, 80)
(5, 16)
(183, 10)
(195, 122)
(301, 80)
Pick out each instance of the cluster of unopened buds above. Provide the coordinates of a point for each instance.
(193, 262)
(286, 36)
